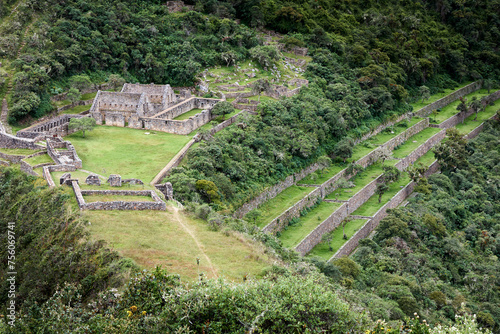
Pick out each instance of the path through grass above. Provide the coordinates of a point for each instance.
(154, 238)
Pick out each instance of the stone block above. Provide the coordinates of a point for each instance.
(64, 178)
(115, 180)
(93, 180)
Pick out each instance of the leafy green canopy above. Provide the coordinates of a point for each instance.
(51, 244)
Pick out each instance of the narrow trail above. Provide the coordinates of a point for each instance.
(178, 217)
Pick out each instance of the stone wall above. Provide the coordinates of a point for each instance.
(176, 160)
(77, 103)
(443, 102)
(421, 150)
(370, 225)
(54, 126)
(158, 204)
(330, 185)
(10, 141)
(55, 168)
(183, 107)
(178, 127)
(280, 222)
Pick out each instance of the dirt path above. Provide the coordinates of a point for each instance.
(179, 218)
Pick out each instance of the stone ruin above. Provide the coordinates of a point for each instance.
(167, 190)
(115, 180)
(132, 181)
(93, 180)
(65, 179)
(177, 6)
(151, 107)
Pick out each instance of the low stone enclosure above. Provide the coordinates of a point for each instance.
(151, 107)
(157, 204)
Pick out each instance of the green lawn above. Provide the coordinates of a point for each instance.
(188, 114)
(383, 137)
(360, 181)
(88, 96)
(321, 176)
(18, 151)
(414, 141)
(276, 206)
(40, 159)
(129, 152)
(218, 120)
(322, 250)
(112, 198)
(293, 235)
(427, 159)
(162, 238)
(451, 109)
(263, 98)
(470, 124)
(419, 105)
(294, 56)
(77, 109)
(370, 207)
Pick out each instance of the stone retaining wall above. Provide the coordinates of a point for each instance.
(77, 103)
(280, 222)
(443, 102)
(330, 185)
(421, 150)
(54, 126)
(10, 141)
(370, 225)
(55, 168)
(184, 127)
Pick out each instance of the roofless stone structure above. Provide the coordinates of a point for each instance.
(151, 107)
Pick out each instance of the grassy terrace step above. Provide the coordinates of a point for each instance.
(291, 236)
(18, 151)
(427, 159)
(383, 137)
(76, 110)
(470, 124)
(370, 207)
(360, 181)
(451, 109)
(188, 114)
(113, 198)
(419, 105)
(274, 207)
(415, 141)
(322, 250)
(39, 159)
(359, 151)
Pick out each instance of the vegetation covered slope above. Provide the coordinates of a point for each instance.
(442, 249)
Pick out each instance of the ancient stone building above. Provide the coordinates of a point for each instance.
(151, 107)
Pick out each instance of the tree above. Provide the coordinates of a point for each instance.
(115, 81)
(80, 82)
(383, 154)
(452, 154)
(208, 190)
(425, 93)
(488, 84)
(83, 124)
(265, 55)
(476, 106)
(253, 215)
(391, 174)
(327, 239)
(222, 108)
(463, 107)
(260, 86)
(344, 148)
(381, 189)
(73, 95)
(324, 162)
